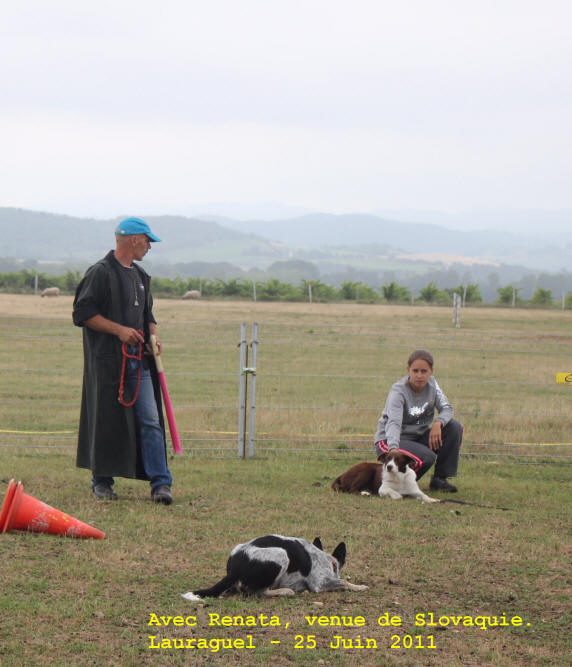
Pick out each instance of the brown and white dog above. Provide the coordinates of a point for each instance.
(393, 477)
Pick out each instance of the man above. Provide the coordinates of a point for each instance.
(121, 431)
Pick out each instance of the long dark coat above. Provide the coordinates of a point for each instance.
(108, 442)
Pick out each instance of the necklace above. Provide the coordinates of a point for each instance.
(131, 272)
(136, 301)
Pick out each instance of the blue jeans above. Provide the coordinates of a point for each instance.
(151, 436)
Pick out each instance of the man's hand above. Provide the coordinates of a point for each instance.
(149, 347)
(153, 332)
(130, 336)
(125, 334)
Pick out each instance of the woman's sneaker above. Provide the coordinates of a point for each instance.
(441, 484)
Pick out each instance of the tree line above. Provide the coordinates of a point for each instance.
(28, 281)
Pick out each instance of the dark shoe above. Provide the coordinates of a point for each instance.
(162, 494)
(104, 492)
(441, 484)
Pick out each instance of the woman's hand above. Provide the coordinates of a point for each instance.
(435, 440)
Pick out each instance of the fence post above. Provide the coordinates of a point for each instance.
(456, 309)
(242, 391)
(252, 372)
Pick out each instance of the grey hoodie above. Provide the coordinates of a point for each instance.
(410, 415)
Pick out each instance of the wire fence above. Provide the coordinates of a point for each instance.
(323, 388)
(306, 390)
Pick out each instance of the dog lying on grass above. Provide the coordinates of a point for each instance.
(393, 477)
(275, 565)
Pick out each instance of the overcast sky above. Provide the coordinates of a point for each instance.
(115, 107)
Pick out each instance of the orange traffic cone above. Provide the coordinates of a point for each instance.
(23, 512)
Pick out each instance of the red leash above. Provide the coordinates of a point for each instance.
(126, 356)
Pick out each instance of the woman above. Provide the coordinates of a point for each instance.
(408, 423)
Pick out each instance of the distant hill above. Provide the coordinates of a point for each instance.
(321, 230)
(48, 236)
(332, 248)
(533, 222)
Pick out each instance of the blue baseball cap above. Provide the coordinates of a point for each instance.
(131, 226)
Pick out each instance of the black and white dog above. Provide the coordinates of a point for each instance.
(392, 478)
(275, 565)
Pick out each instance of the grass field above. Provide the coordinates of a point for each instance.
(323, 372)
(98, 602)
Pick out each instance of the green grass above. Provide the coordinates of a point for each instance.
(322, 376)
(323, 372)
(67, 601)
